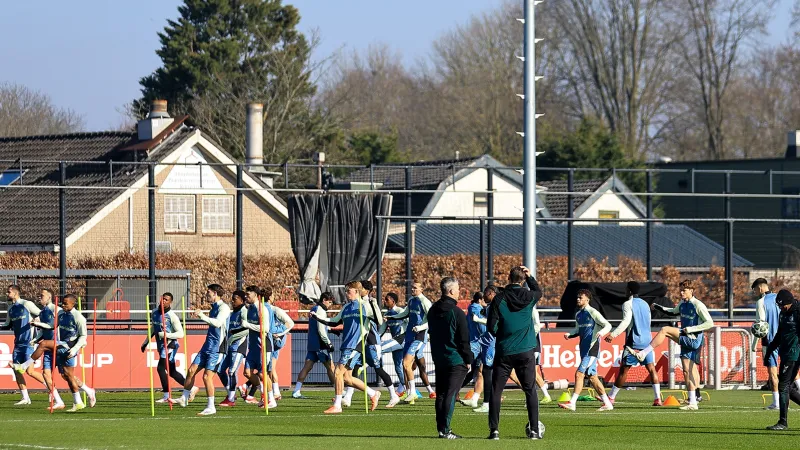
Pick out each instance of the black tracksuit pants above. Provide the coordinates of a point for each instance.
(525, 365)
(448, 383)
(786, 373)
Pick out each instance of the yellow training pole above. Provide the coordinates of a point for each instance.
(185, 334)
(83, 360)
(363, 352)
(263, 358)
(146, 356)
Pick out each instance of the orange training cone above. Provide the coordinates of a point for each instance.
(671, 401)
(469, 394)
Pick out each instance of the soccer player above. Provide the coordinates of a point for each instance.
(70, 339)
(20, 314)
(394, 343)
(373, 345)
(590, 327)
(787, 342)
(450, 348)
(207, 359)
(767, 310)
(174, 332)
(416, 311)
(537, 326)
(354, 330)
(510, 321)
(636, 326)
(258, 310)
(694, 320)
(237, 347)
(319, 347)
(282, 324)
(47, 317)
(476, 324)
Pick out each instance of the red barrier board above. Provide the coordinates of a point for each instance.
(120, 364)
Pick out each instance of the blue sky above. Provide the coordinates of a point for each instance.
(88, 55)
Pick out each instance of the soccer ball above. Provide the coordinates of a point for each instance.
(760, 329)
(528, 429)
(541, 429)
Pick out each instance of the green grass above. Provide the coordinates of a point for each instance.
(122, 420)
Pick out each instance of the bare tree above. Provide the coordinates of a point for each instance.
(25, 112)
(616, 65)
(715, 33)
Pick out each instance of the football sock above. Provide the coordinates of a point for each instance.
(429, 388)
(87, 389)
(776, 397)
(276, 389)
(57, 397)
(76, 398)
(186, 394)
(544, 389)
(646, 350)
(614, 392)
(692, 398)
(413, 388)
(657, 391)
(210, 404)
(337, 402)
(606, 401)
(392, 391)
(231, 396)
(24, 393)
(27, 363)
(298, 386)
(165, 395)
(574, 399)
(370, 392)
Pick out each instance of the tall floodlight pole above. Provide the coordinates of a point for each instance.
(529, 136)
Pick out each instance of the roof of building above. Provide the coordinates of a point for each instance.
(557, 204)
(30, 215)
(672, 245)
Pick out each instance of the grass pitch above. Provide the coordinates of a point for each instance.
(122, 420)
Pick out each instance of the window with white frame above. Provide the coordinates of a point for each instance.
(480, 205)
(217, 214)
(179, 213)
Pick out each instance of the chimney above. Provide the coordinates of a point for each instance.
(254, 150)
(156, 121)
(791, 146)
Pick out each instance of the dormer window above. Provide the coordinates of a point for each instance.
(10, 176)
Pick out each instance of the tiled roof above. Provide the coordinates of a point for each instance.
(557, 204)
(675, 245)
(427, 174)
(30, 216)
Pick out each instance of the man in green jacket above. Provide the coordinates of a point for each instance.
(449, 337)
(787, 342)
(510, 320)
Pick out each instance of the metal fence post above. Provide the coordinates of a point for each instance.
(379, 273)
(62, 230)
(151, 231)
(570, 207)
(239, 226)
(490, 227)
(408, 231)
(729, 275)
(482, 251)
(649, 225)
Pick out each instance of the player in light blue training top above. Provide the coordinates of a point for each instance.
(319, 347)
(394, 343)
(282, 324)
(174, 332)
(476, 325)
(237, 347)
(258, 311)
(694, 320)
(636, 326)
(416, 311)
(207, 358)
(590, 327)
(767, 310)
(353, 318)
(19, 317)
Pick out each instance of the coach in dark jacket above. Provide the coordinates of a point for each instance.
(787, 342)
(449, 336)
(510, 321)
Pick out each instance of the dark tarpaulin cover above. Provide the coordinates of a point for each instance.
(345, 229)
(608, 298)
(305, 224)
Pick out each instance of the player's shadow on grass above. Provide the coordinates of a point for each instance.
(694, 429)
(329, 435)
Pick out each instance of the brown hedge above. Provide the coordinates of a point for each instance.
(281, 273)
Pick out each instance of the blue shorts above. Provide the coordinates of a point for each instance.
(390, 345)
(373, 356)
(21, 354)
(253, 361)
(475, 346)
(691, 348)
(414, 347)
(172, 352)
(275, 354)
(47, 360)
(772, 361)
(350, 358)
(231, 362)
(278, 343)
(318, 356)
(63, 360)
(588, 365)
(628, 359)
(207, 360)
